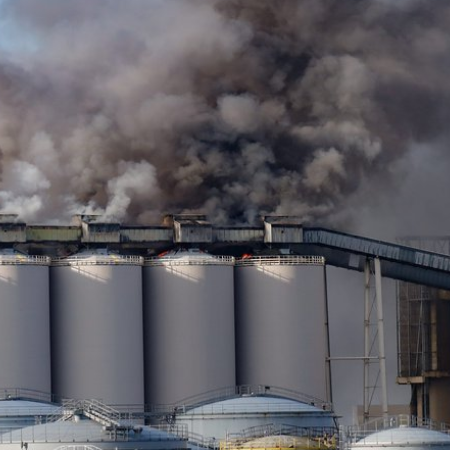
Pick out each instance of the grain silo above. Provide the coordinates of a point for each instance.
(281, 331)
(24, 322)
(188, 325)
(97, 335)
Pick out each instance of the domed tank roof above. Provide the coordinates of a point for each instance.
(26, 408)
(405, 435)
(291, 442)
(82, 430)
(256, 404)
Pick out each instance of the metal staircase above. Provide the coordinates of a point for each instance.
(118, 425)
(68, 409)
(101, 413)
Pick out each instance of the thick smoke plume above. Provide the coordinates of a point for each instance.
(234, 108)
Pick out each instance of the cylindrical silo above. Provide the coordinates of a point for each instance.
(281, 326)
(24, 323)
(97, 331)
(188, 326)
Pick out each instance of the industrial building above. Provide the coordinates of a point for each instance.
(424, 339)
(217, 335)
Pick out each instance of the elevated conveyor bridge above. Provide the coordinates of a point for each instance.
(397, 261)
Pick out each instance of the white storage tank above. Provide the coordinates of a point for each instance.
(220, 420)
(80, 433)
(188, 325)
(97, 330)
(405, 438)
(281, 332)
(24, 323)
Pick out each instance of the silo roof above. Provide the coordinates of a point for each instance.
(405, 435)
(26, 408)
(256, 404)
(80, 431)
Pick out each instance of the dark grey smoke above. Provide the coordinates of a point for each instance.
(231, 107)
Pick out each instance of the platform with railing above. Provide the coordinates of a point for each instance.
(231, 392)
(280, 260)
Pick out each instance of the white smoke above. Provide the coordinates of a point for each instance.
(135, 181)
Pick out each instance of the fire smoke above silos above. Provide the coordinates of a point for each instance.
(232, 107)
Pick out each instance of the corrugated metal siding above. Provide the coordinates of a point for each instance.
(100, 232)
(413, 265)
(53, 233)
(13, 233)
(282, 233)
(154, 234)
(238, 234)
(187, 233)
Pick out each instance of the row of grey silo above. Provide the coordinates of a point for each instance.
(131, 331)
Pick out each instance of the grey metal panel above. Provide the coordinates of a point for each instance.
(53, 233)
(24, 327)
(238, 234)
(355, 243)
(192, 232)
(13, 232)
(280, 327)
(97, 332)
(282, 233)
(154, 234)
(100, 232)
(189, 330)
(9, 218)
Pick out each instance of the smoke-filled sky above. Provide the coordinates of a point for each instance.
(326, 109)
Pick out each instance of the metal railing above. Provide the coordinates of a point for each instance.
(179, 430)
(26, 260)
(26, 394)
(322, 436)
(358, 432)
(189, 260)
(60, 432)
(280, 260)
(202, 441)
(231, 392)
(93, 409)
(66, 411)
(104, 414)
(99, 259)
